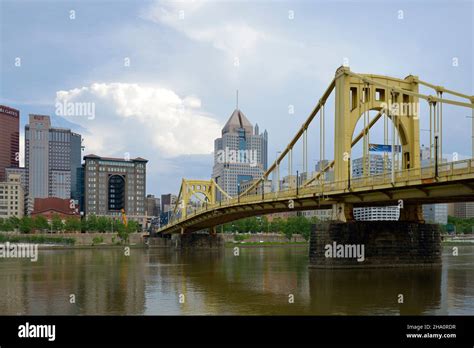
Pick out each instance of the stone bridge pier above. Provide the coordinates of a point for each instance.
(346, 243)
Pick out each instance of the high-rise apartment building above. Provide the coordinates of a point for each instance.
(376, 165)
(52, 156)
(240, 154)
(9, 139)
(113, 184)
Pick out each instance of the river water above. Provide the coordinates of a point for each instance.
(260, 281)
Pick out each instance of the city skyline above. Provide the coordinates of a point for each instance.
(151, 100)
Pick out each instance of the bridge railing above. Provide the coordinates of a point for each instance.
(321, 188)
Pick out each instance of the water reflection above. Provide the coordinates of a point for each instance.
(258, 281)
(376, 291)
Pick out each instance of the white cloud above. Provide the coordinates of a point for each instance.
(153, 119)
(192, 19)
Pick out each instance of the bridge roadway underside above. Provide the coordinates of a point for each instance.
(418, 192)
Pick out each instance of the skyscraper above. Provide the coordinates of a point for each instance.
(240, 154)
(52, 156)
(9, 139)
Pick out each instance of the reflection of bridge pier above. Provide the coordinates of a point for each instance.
(375, 291)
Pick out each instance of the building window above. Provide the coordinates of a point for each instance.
(116, 192)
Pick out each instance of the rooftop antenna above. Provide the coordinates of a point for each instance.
(237, 99)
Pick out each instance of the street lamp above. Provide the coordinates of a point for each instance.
(82, 218)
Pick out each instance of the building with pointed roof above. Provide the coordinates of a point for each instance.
(240, 154)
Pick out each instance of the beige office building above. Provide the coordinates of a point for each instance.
(11, 197)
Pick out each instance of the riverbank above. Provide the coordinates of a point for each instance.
(462, 239)
(264, 244)
(73, 240)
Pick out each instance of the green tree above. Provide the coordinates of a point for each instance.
(288, 227)
(250, 224)
(303, 227)
(40, 223)
(91, 224)
(462, 225)
(277, 225)
(264, 224)
(57, 224)
(133, 227)
(7, 226)
(103, 224)
(25, 224)
(72, 224)
(14, 221)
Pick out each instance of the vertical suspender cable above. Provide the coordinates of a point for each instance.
(385, 139)
(393, 143)
(398, 139)
(435, 134)
(304, 151)
(324, 131)
(290, 165)
(441, 127)
(364, 150)
(321, 141)
(431, 135)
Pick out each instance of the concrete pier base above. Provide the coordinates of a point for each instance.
(374, 244)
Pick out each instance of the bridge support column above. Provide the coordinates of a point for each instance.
(197, 241)
(412, 212)
(337, 244)
(342, 212)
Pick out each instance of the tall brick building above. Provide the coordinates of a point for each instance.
(9, 139)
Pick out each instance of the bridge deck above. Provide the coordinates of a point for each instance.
(455, 182)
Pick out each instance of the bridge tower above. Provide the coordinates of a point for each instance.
(356, 96)
(190, 188)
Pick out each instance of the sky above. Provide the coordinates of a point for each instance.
(162, 76)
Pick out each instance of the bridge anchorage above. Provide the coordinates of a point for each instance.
(354, 99)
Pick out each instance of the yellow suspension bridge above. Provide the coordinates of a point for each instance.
(406, 184)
